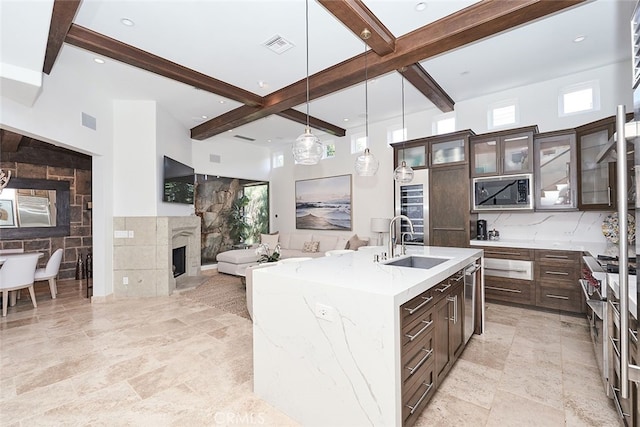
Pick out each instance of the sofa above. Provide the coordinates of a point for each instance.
(292, 245)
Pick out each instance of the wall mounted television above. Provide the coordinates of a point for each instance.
(179, 182)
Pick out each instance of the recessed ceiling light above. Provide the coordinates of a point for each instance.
(261, 83)
(127, 22)
(221, 101)
(346, 119)
(98, 60)
(268, 140)
(421, 6)
(204, 117)
(579, 39)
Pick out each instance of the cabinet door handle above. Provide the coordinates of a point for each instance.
(494, 288)
(557, 256)
(427, 300)
(609, 195)
(454, 300)
(557, 273)
(421, 361)
(448, 229)
(503, 253)
(414, 407)
(424, 328)
(444, 288)
(506, 269)
(557, 296)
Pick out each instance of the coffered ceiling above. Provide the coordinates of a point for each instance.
(210, 58)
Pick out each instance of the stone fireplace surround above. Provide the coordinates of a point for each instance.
(142, 254)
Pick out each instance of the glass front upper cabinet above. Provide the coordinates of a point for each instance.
(413, 156)
(503, 153)
(447, 152)
(555, 171)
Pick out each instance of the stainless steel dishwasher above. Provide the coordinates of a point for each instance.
(471, 283)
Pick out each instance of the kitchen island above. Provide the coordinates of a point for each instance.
(328, 337)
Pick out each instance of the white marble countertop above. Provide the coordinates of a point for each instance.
(594, 248)
(357, 271)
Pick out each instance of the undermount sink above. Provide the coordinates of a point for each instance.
(417, 262)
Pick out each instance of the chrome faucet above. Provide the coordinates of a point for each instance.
(392, 235)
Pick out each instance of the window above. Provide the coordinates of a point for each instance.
(396, 134)
(277, 160)
(358, 143)
(579, 98)
(503, 113)
(445, 123)
(329, 150)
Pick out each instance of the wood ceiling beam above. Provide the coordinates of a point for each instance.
(315, 123)
(61, 19)
(468, 25)
(421, 80)
(9, 141)
(357, 17)
(114, 49)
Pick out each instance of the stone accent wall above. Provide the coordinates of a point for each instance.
(214, 198)
(79, 242)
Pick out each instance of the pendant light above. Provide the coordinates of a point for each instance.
(366, 163)
(403, 173)
(307, 149)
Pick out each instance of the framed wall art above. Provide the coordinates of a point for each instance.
(7, 213)
(324, 203)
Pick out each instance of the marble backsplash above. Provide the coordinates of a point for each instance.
(548, 226)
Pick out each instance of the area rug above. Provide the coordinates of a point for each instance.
(222, 291)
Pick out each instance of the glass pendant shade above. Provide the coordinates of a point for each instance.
(307, 150)
(403, 173)
(367, 164)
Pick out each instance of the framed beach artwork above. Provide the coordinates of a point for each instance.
(7, 213)
(324, 203)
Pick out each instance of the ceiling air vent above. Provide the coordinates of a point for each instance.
(278, 44)
(246, 138)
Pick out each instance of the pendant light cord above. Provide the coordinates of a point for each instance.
(307, 40)
(366, 95)
(404, 135)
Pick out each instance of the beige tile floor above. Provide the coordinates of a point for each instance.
(172, 362)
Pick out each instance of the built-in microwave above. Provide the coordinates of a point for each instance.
(505, 192)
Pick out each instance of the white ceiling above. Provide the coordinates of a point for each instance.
(224, 39)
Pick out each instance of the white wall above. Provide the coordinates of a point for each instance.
(237, 159)
(373, 196)
(172, 140)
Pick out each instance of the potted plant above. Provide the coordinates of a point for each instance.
(266, 254)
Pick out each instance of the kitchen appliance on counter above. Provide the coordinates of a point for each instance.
(481, 227)
(507, 192)
(494, 234)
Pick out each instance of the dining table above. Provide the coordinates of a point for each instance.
(3, 257)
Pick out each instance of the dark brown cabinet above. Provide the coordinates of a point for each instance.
(448, 220)
(449, 328)
(557, 274)
(502, 153)
(432, 326)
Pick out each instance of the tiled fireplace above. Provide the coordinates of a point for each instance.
(143, 254)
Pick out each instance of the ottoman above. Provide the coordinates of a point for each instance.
(236, 261)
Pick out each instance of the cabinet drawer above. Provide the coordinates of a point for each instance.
(508, 253)
(415, 400)
(559, 298)
(413, 311)
(416, 358)
(510, 290)
(565, 257)
(416, 331)
(557, 272)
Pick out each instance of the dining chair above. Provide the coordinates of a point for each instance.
(50, 272)
(18, 272)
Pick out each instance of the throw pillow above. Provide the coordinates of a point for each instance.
(355, 242)
(343, 243)
(271, 240)
(310, 246)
